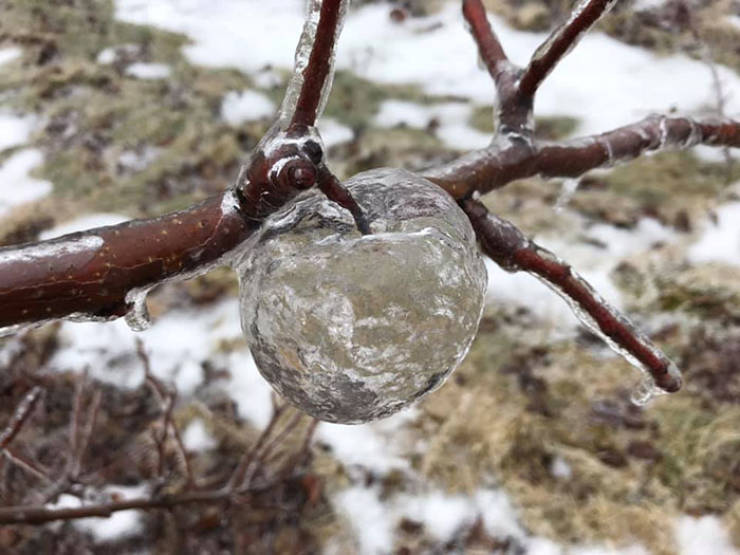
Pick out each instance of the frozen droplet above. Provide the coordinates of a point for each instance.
(138, 317)
(645, 391)
(567, 190)
(351, 328)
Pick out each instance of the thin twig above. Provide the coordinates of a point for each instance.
(167, 398)
(489, 47)
(338, 193)
(40, 515)
(20, 416)
(238, 476)
(28, 465)
(508, 247)
(560, 42)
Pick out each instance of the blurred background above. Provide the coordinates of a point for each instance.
(111, 110)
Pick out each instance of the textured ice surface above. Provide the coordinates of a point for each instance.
(352, 328)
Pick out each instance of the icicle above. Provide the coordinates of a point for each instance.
(567, 190)
(138, 317)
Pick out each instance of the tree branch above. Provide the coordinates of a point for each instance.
(20, 415)
(317, 75)
(508, 247)
(560, 42)
(91, 273)
(489, 47)
(32, 514)
(494, 167)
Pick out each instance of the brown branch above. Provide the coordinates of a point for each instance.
(32, 514)
(560, 42)
(28, 465)
(80, 433)
(492, 168)
(336, 192)
(489, 47)
(90, 274)
(508, 247)
(167, 398)
(238, 477)
(318, 71)
(20, 416)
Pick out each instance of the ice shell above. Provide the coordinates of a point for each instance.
(351, 328)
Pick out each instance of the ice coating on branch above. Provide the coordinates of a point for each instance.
(351, 328)
(302, 55)
(137, 318)
(646, 388)
(558, 35)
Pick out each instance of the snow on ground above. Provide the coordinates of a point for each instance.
(374, 519)
(16, 185)
(197, 438)
(437, 53)
(238, 107)
(333, 132)
(703, 535)
(119, 525)
(451, 121)
(593, 262)
(379, 447)
(15, 130)
(143, 70)
(720, 241)
(8, 54)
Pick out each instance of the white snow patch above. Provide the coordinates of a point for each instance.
(451, 121)
(107, 56)
(83, 223)
(377, 446)
(733, 20)
(177, 344)
(118, 525)
(711, 154)
(703, 535)
(220, 31)
(443, 514)
(603, 550)
(720, 242)
(142, 70)
(16, 186)
(196, 437)
(110, 54)
(560, 468)
(249, 390)
(641, 5)
(137, 160)
(333, 132)
(268, 78)
(369, 518)
(15, 130)
(593, 263)
(238, 107)
(437, 53)
(9, 54)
